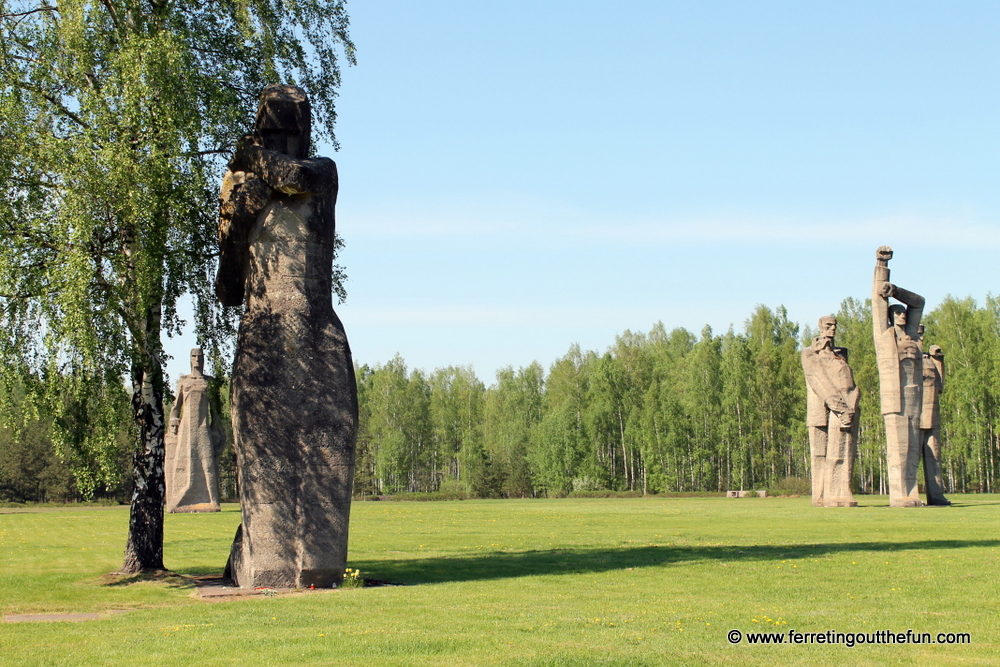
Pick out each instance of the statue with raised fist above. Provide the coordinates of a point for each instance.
(901, 371)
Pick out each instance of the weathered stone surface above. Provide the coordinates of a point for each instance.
(294, 397)
(930, 426)
(900, 367)
(831, 415)
(193, 442)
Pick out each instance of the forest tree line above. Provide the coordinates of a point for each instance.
(663, 411)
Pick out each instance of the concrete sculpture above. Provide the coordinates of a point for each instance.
(930, 426)
(900, 370)
(294, 397)
(831, 415)
(193, 442)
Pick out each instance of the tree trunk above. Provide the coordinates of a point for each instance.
(144, 549)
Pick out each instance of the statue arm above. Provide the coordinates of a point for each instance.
(175, 410)
(820, 384)
(880, 296)
(217, 434)
(286, 174)
(243, 197)
(914, 308)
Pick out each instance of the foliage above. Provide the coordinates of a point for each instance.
(970, 403)
(696, 415)
(789, 486)
(667, 412)
(116, 118)
(33, 469)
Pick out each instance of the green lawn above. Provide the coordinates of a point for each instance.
(529, 583)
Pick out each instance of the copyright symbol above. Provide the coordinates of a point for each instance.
(735, 636)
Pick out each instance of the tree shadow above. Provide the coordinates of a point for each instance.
(502, 565)
(168, 577)
(199, 571)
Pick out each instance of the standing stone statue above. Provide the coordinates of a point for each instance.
(294, 397)
(832, 417)
(900, 372)
(193, 442)
(930, 426)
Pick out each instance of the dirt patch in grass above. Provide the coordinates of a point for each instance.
(51, 618)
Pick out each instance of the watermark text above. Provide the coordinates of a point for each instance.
(849, 639)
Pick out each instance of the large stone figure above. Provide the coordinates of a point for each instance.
(832, 417)
(193, 441)
(930, 426)
(900, 371)
(294, 397)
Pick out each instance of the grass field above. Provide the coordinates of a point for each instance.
(558, 583)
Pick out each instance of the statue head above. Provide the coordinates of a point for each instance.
(197, 361)
(897, 315)
(828, 326)
(935, 352)
(284, 120)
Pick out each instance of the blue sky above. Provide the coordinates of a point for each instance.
(519, 176)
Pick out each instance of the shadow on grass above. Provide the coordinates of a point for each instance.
(171, 579)
(501, 565)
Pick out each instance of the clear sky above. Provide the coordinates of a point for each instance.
(518, 176)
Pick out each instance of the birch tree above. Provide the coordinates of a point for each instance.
(116, 117)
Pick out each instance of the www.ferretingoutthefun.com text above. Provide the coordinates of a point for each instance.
(849, 639)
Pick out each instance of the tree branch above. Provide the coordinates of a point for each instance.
(214, 151)
(113, 13)
(54, 101)
(32, 11)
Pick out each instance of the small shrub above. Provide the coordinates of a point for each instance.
(420, 496)
(454, 489)
(605, 493)
(791, 486)
(586, 483)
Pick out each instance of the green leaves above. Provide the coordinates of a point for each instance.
(668, 412)
(970, 404)
(117, 117)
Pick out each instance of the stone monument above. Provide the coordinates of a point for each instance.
(900, 371)
(294, 397)
(832, 417)
(193, 442)
(930, 426)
